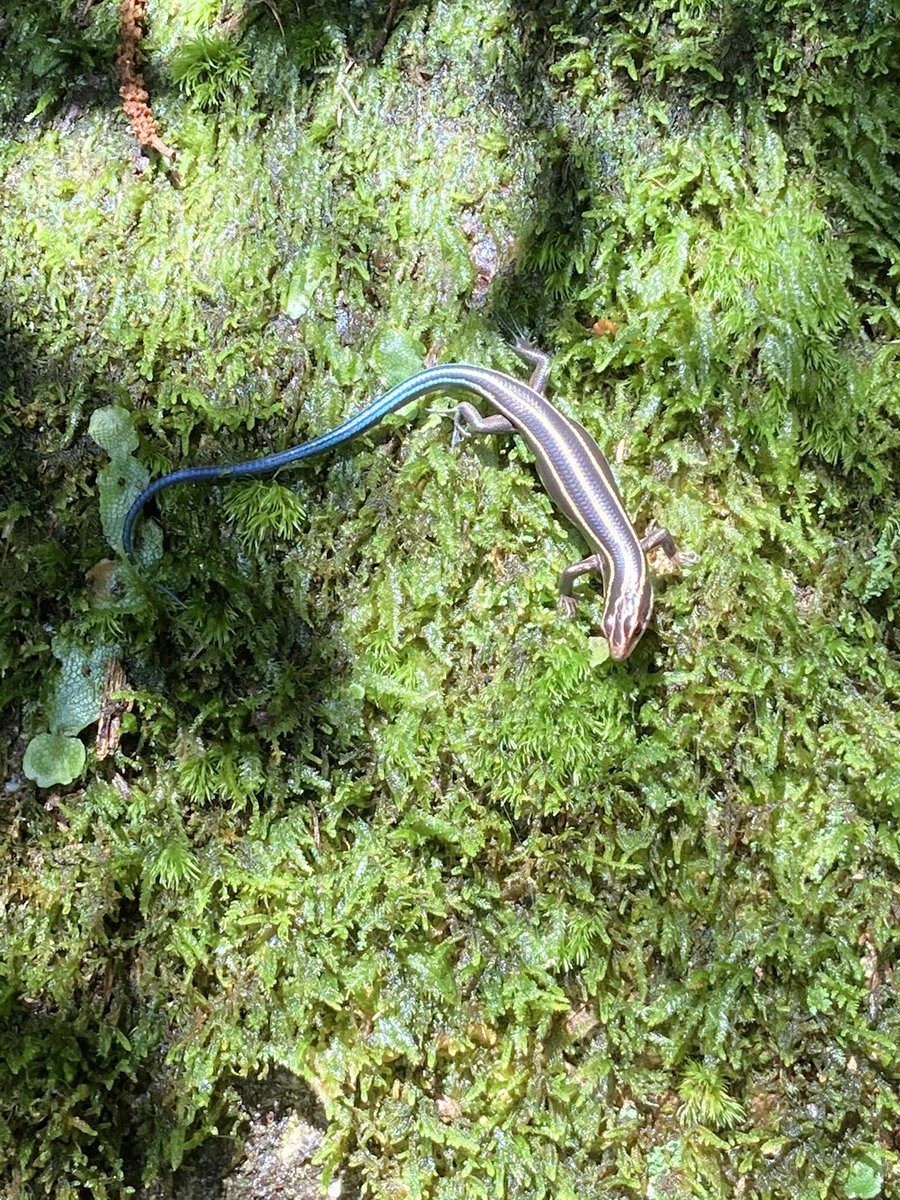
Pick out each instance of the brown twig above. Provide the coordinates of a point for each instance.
(389, 21)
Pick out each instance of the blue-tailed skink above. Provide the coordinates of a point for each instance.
(569, 462)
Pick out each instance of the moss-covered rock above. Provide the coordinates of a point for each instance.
(525, 921)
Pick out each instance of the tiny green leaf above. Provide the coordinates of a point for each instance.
(113, 430)
(864, 1179)
(52, 758)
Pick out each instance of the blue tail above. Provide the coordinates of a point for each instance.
(433, 379)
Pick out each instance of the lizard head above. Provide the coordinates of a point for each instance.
(625, 617)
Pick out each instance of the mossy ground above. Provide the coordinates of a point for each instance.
(527, 922)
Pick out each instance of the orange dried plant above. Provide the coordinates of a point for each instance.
(135, 97)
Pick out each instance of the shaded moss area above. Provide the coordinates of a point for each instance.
(524, 921)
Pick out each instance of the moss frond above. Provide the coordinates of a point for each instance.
(211, 69)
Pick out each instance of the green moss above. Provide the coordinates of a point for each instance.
(210, 69)
(526, 921)
(817, 70)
